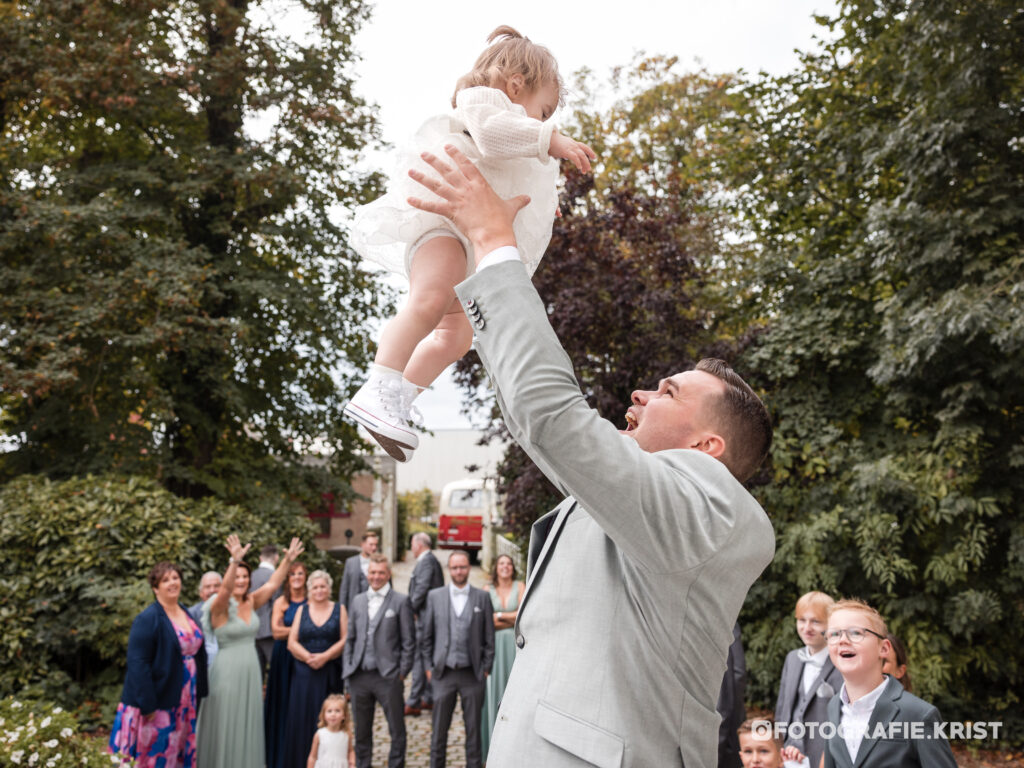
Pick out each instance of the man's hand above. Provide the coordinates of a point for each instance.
(569, 149)
(469, 202)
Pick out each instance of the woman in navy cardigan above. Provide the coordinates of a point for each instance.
(166, 677)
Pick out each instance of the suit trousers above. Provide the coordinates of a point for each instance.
(420, 693)
(367, 688)
(264, 650)
(454, 683)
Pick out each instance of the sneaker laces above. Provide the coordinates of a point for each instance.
(409, 411)
(389, 394)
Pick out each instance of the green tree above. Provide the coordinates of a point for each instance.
(175, 299)
(886, 186)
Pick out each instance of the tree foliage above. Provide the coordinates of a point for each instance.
(886, 185)
(175, 300)
(626, 277)
(73, 564)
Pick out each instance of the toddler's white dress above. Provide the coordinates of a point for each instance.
(332, 751)
(508, 147)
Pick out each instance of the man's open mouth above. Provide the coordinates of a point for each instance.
(630, 421)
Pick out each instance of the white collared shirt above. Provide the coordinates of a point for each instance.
(364, 565)
(854, 717)
(813, 662)
(265, 564)
(497, 256)
(375, 599)
(459, 598)
(421, 554)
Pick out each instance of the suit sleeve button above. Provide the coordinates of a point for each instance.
(520, 642)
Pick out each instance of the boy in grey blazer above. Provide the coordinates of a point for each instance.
(378, 655)
(656, 528)
(809, 679)
(872, 718)
(458, 645)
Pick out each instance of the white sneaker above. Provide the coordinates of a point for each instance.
(379, 407)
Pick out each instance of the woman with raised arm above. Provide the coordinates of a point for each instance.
(231, 720)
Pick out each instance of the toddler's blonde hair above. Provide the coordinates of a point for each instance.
(322, 723)
(509, 53)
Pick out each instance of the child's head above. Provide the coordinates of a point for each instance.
(525, 71)
(758, 746)
(859, 657)
(894, 662)
(812, 618)
(333, 713)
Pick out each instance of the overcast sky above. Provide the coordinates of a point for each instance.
(414, 51)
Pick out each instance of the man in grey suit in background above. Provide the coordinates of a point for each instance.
(378, 655)
(637, 578)
(458, 644)
(353, 580)
(269, 556)
(426, 575)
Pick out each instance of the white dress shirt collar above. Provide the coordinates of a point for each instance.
(856, 716)
(459, 598)
(265, 564)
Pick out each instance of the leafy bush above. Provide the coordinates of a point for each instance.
(74, 557)
(46, 736)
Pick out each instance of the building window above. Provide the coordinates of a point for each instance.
(329, 509)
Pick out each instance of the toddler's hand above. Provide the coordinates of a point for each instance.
(565, 148)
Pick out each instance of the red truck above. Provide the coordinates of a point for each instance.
(465, 506)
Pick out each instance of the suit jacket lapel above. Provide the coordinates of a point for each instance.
(550, 527)
(886, 708)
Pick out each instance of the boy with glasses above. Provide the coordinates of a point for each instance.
(874, 722)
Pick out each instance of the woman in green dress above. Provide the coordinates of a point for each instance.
(231, 719)
(506, 593)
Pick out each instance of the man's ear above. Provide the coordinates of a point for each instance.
(711, 444)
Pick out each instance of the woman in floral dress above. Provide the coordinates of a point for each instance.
(155, 724)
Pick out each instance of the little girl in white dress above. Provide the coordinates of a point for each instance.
(500, 122)
(332, 745)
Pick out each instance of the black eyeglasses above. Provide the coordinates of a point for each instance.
(856, 634)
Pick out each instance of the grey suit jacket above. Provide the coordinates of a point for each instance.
(894, 706)
(260, 576)
(435, 638)
(353, 581)
(394, 642)
(663, 545)
(793, 706)
(427, 575)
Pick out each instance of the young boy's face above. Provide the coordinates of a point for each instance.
(810, 625)
(861, 661)
(759, 751)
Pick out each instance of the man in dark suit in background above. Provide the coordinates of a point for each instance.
(732, 703)
(426, 575)
(458, 643)
(378, 655)
(353, 580)
(264, 638)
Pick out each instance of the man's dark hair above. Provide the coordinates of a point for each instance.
(269, 551)
(455, 552)
(743, 420)
(370, 534)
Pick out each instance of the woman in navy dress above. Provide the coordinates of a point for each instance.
(316, 640)
(275, 705)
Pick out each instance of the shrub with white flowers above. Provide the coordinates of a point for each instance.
(38, 735)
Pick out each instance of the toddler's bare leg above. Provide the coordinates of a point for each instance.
(438, 265)
(450, 340)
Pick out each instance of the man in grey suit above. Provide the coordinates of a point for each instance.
(426, 575)
(458, 643)
(269, 557)
(636, 579)
(208, 585)
(378, 655)
(353, 580)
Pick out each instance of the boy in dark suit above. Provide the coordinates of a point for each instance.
(876, 722)
(809, 679)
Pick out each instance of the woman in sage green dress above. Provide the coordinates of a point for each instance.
(506, 593)
(231, 719)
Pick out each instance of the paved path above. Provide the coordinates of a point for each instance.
(418, 728)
